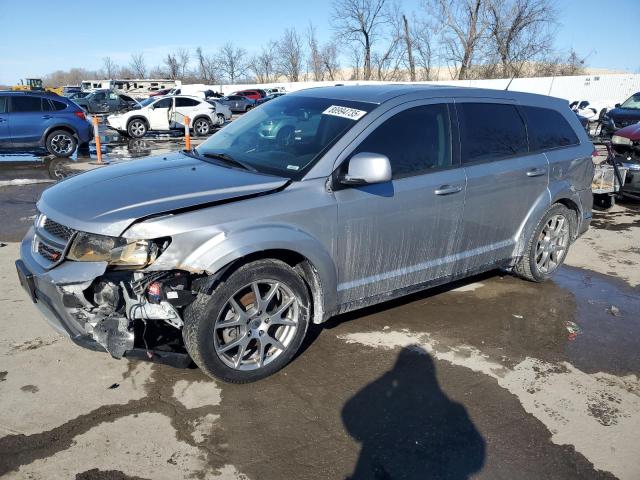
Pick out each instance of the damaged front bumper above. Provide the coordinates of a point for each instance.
(61, 294)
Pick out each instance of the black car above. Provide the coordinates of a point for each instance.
(622, 115)
(106, 101)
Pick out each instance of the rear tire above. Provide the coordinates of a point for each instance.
(548, 246)
(137, 128)
(246, 350)
(61, 143)
(202, 127)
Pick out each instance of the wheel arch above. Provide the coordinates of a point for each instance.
(137, 117)
(221, 255)
(561, 193)
(53, 128)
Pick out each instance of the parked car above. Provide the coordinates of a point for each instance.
(106, 101)
(269, 91)
(69, 90)
(165, 113)
(223, 113)
(626, 141)
(77, 95)
(271, 96)
(237, 103)
(160, 93)
(231, 250)
(622, 115)
(33, 122)
(593, 111)
(253, 94)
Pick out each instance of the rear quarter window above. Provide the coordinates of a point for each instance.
(490, 131)
(58, 105)
(548, 129)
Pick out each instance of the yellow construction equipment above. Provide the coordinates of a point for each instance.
(35, 84)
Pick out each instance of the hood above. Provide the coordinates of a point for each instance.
(624, 113)
(109, 199)
(631, 132)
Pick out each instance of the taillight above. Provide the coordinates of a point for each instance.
(80, 115)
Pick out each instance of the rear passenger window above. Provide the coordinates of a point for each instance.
(415, 140)
(186, 102)
(548, 129)
(490, 131)
(3, 104)
(46, 105)
(26, 104)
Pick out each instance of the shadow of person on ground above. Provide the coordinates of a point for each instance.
(408, 427)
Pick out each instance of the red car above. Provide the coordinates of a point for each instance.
(626, 141)
(158, 93)
(252, 94)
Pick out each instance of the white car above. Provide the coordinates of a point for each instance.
(591, 110)
(167, 113)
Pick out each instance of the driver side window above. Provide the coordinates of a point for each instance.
(415, 140)
(164, 103)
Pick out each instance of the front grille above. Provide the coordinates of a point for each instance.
(57, 230)
(50, 241)
(50, 253)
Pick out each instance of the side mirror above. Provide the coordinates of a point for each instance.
(367, 168)
(617, 105)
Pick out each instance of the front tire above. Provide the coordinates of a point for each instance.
(221, 119)
(61, 143)
(548, 246)
(137, 128)
(251, 325)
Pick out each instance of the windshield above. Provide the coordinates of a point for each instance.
(632, 102)
(286, 136)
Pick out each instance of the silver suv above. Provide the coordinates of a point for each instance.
(225, 254)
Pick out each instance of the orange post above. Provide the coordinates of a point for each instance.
(96, 135)
(187, 137)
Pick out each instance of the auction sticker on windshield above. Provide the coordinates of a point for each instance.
(344, 112)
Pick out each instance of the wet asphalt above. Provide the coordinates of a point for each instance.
(456, 382)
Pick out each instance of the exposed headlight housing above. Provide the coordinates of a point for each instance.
(618, 140)
(116, 251)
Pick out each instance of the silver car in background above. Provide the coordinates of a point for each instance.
(225, 254)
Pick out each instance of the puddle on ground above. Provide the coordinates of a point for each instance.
(581, 317)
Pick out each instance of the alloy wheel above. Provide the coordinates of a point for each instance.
(256, 325)
(61, 144)
(552, 244)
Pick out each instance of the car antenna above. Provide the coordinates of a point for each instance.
(516, 74)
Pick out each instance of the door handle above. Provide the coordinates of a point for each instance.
(447, 189)
(536, 172)
(47, 117)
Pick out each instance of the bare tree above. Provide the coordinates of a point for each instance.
(290, 55)
(408, 40)
(109, 66)
(138, 65)
(315, 57)
(173, 67)
(520, 31)
(263, 65)
(329, 58)
(422, 41)
(356, 62)
(182, 56)
(359, 21)
(233, 62)
(463, 28)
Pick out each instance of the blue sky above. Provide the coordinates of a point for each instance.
(40, 36)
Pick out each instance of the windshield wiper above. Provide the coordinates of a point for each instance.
(229, 160)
